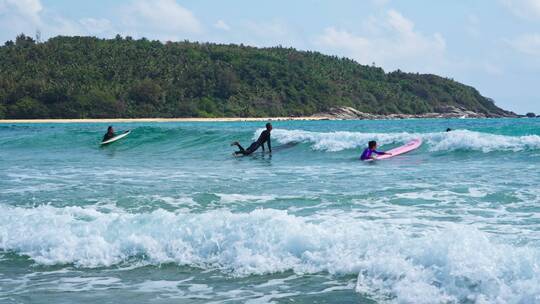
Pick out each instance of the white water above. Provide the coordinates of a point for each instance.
(452, 263)
(440, 141)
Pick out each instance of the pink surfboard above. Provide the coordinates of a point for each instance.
(412, 145)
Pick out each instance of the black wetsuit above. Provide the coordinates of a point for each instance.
(108, 136)
(263, 138)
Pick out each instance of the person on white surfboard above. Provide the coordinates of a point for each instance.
(370, 151)
(110, 134)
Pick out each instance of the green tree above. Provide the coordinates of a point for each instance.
(2, 111)
(91, 77)
(28, 108)
(98, 104)
(146, 91)
(24, 41)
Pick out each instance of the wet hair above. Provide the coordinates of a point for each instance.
(372, 144)
(109, 128)
(268, 125)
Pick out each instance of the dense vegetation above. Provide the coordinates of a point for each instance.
(86, 77)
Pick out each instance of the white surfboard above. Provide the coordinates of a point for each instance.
(115, 138)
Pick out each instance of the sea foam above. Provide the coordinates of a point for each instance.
(452, 263)
(440, 141)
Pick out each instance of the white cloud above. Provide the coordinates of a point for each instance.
(26, 8)
(342, 39)
(389, 40)
(162, 19)
(98, 26)
(524, 8)
(528, 44)
(400, 23)
(19, 17)
(269, 33)
(273, 28)
(222, 25)
(29, 16)
(259, 33)
(159, 19)
(54, 25)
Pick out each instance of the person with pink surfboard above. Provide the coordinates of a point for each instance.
(370, 152)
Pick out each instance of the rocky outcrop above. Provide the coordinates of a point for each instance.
(344, 113)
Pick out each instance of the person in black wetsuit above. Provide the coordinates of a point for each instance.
(109, 134)
(263, 138)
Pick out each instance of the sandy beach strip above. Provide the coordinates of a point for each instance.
(123, 120)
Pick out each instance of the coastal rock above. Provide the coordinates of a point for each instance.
(345, 113)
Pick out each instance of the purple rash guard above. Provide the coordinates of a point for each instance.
(368, 152)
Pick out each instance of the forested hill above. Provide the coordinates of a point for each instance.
(86, 77)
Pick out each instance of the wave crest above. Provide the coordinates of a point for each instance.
(441, 141)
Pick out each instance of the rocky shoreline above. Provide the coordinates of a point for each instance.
(340, 113)
(349, 113)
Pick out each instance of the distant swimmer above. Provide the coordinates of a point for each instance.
(109, 134)
(263, 138)
(370, 150)
(448, 130)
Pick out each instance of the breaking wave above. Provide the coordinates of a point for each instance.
(452, 264)
(441, 141)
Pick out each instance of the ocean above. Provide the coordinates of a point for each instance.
(167, 215)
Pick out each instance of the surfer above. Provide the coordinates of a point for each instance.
(448, 130)
(263, 138)
(370, 150)
(109, 134)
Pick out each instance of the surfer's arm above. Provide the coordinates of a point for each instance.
(382, 153)
(269, 143)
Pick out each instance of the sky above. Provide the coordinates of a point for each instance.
(492, 45)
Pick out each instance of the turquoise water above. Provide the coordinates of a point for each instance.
(167, 215)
